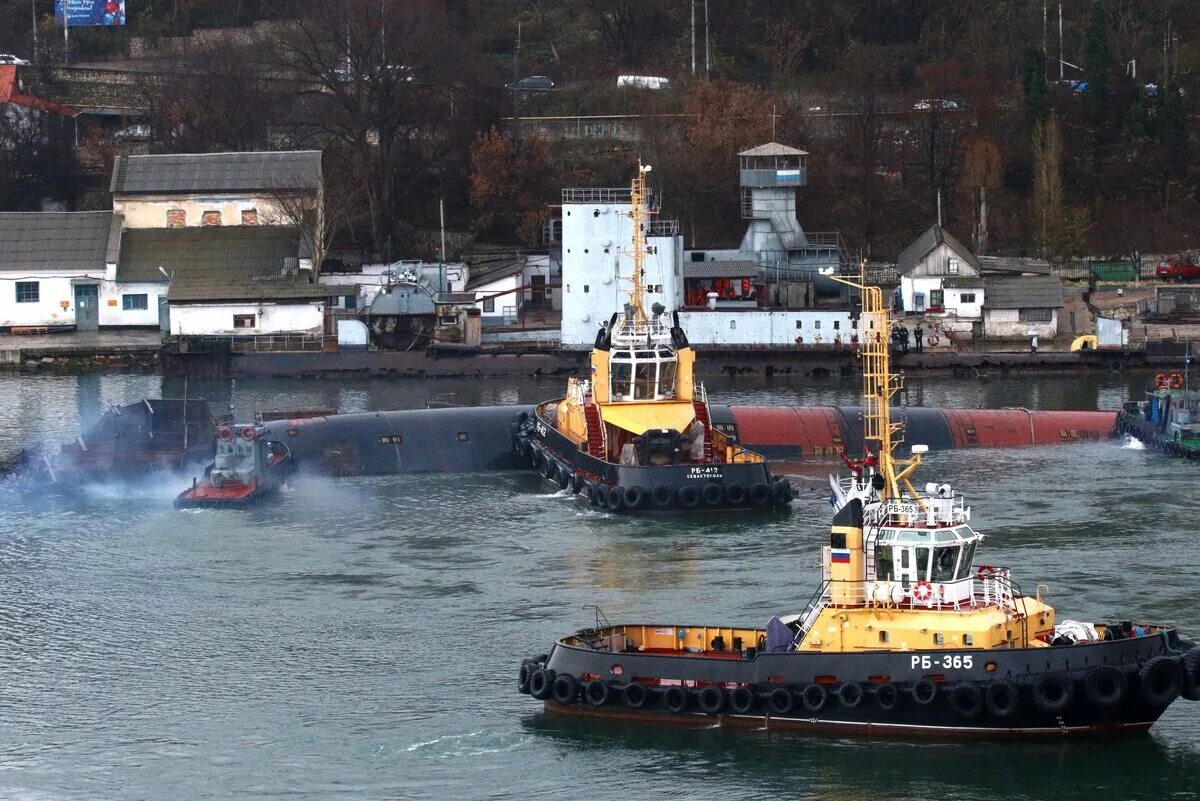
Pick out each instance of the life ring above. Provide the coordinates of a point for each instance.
(565, 689)
(676, 700)
(850, 694)
(614, 499)
(922, 591)
(712, 494)
(814, 697)
(1105, 686)
(735, 494)
(689, 496)
(742, 700)
(596, 692)
(526, 673)
(661, 496)
(781, 701)
(712, 700)
(759, 494)
(1161, 680)
(967, 699)
(1002, 698)
(924, 691)
(887, 696)
(984, 572)
(248, 433)
(634, 497)
(1191, 674)
(1176, 381)
(225, 434)
(1053, 692)
(541, 683)
(635, 695)
(1161, 381)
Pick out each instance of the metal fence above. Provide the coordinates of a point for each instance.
(267, 343)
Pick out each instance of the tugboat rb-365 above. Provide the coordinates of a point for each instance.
(638, 435)
(906, 633)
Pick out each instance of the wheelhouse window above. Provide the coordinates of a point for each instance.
(884, 570)
(968, 557)
(643, 374)
(922, 566)
(28, 292)
(945, 559)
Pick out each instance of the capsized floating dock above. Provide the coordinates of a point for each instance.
(480, 439)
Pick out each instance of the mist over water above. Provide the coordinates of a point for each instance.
(359, 637)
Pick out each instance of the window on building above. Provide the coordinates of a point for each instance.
(28, 292)
(134, 302)
(349, 301)
(249, 216)
(967, 297)
(489, 305)
(837, 325)
(1035, 315)
(952, 267)
(245, 320)
(817, 324)
(176, 218)
(732, 324)
(210, 218)
(799, 323)
(586, 287)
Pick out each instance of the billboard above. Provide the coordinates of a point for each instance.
(82, 13)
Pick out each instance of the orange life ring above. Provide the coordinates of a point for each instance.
(922, 591)
(248, 433)
(1176, 381)
(225, 433)
(1161, 381)
(985, 572)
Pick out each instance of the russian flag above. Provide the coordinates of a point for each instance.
(839, 556)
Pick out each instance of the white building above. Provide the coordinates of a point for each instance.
(939, 277)
(1020, 306)
(507, 286)
(210, 189)
(597, 237)
(59, 270)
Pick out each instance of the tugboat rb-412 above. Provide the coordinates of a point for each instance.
(246, 467)
(906, 633)
(637, 435)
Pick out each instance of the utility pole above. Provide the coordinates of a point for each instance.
(1060, 43)
(1044, 54)
(707, 48)
(33, 14)
(442, 256)
(66, 36)
(516, 92)
(692, 3)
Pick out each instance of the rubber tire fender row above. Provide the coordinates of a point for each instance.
(676, 700)
(712, 494)
(541, 683)
(850, 694)
(966, 699)
(1161, 680)
(781, 701)
(781, 492)
(537, 456)
(742, 700)
(634, 497)
(924, 691)
(887, 696)
(1002, 698)
(759, 494)
(614, 499)
(596, 692)
(662, 496)
(814, 697)
(689, 496)
(1053, 692)
(1105, 686)
(525, 674)
(563, 476)
(712, 700)
(565, 689)
(1191, 674)
(635, 695)
(734, 494)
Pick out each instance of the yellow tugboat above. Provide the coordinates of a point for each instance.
(637, 434)
(906, 632)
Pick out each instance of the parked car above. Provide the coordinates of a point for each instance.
(537, 83)
(1177, 271)
(10, 59)
(932, 103)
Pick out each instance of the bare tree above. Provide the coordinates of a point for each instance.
(317, 216)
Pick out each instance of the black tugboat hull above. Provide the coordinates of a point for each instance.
(1136, 426)
(1002, 693)
(660, 488)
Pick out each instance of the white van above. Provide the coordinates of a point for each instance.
(643, 81)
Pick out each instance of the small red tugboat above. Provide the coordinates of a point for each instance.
(906, 633)
(246, 467)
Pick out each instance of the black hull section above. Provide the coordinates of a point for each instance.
(1018, 692)
(1142, 429)
(666, 488)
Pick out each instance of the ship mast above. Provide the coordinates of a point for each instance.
(639, 213)
(879, 387)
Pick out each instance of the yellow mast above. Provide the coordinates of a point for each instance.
(639, 214)
(879, 386)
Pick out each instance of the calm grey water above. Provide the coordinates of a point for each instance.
(359, 638)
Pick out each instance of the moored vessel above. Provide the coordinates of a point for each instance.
(1168, 418)
(907, 633)
(637, 435)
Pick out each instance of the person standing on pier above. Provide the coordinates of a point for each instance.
(919, 333)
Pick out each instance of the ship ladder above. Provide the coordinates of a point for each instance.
(701, 406)
(595, 431)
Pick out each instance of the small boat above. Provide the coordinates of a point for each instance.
(637, 434)
(1167, 419)
(907, 633)
(246, 467)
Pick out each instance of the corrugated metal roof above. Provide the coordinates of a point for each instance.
(485, 273)
(216, 172)
(773, 149)
(1014, 264)
(1022, 292)
(935, 235)
(37, 241)
(720, 269)
(241, 262)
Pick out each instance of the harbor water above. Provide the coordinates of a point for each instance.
(360, 637)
